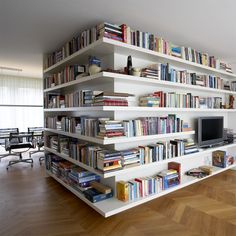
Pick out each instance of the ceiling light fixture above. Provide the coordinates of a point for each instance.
(10, 68)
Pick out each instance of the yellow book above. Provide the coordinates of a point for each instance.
(122, 189)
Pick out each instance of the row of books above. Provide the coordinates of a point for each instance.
(144, 186)
(152, 42)
(169, 73)
(62, 101)
(86, 98)
(84, 39)
(107, 160)
(78, 42)
(179, 100)
(69, 73)
(138, 38)
(166, 150)
(105, 127)
(83, 181)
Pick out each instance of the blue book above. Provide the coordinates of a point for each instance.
(95, 196)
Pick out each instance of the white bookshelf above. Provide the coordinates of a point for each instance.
(107, 141)
(105, 46)
(104, 77)
(113, 206)
(136, 168)
(136, 108)
(114, 55)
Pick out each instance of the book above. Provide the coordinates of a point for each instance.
(122, 191)
(100, 187)
(94, 195)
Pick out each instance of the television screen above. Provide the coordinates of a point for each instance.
(210, 130)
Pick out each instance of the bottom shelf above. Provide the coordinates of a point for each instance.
(113, 206)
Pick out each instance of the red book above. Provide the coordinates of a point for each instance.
(140, 186)
(124, 32)
(160, 95)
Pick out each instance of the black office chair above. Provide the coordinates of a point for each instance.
(38, 140)
(4, 139)
(18, 144)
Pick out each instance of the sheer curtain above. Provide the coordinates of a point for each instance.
(21, 102)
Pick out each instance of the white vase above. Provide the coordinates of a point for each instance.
(94, 69)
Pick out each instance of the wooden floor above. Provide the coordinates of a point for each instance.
(33, 205)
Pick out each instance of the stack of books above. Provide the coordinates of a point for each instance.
(87, 97)
(150, 100)
(190, 146)
(98, 192)
(53, 142)
(200, 171)
(224, 66)
(109, 30)
(49, 159)
(130, 158)
(170, 178)
(109, 160)
(111, 128)
(150, 73)
(80, 179)
(112, 99)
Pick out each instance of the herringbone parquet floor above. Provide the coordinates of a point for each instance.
(32, 205)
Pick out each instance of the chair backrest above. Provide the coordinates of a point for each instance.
(21, 137)
(5, 134)
(38, 131)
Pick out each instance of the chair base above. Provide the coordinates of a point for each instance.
(27, 160)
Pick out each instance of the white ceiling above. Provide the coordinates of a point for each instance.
(29, 28)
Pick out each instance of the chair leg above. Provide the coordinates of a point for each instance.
(41, 159)
(33, 152)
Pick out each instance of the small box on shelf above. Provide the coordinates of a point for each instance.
(221, 159)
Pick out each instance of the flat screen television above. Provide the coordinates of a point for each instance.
(210, 130)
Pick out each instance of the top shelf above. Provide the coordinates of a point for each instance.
(105, 46)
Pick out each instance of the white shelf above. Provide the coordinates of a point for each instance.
(108, 76)
(135, 108)
(113, 206)
(136, 168)
(107, 141)
(105, 46)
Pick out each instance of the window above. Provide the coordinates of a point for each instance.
(21, 102)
